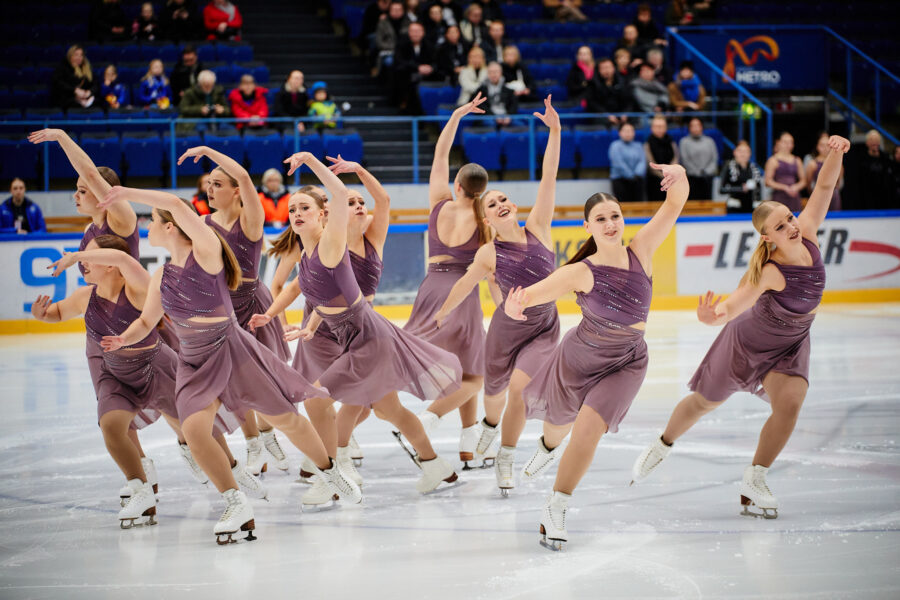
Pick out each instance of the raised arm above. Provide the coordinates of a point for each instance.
(121, 217)
(381, 214)
(143, 325)
(484, 263)
(568, 278)
(43, 309)
(333, 242)
(134, 273)
(206, 245)
(541, 215)
(817, 206)
(438, 189)
(253, 216)
(651, 235)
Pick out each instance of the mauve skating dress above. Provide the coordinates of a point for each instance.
(772, 336)
(602, 362)
(220, 359)
(378, 358)
(524, 345)
(252, 297)
(462, 332)
(139, 378)
(313, 357)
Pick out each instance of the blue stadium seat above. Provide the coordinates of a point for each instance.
(346, 142)
(85, 115)
(522, 11)
(558, 70)
(206, 52)
(182, 143)
(718, 138)
(157, 113)
(530, 51)
(482, 146)
(142, 154)
(40, 114)
(39, 98)
(18, 158)
(226, 141)
(60, 168)
(104, 149)
(641, 134)
(514, 142)
(560, 92)
(234, 52)
(131, 53)
(353, 16)
(129, 75)
(566, 148)
(433, 96)
(135, 118)
(270, 95)
(592, 144)
(264, 149)
(259, 71)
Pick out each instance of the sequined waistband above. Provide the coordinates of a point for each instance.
(597, 330)
(776, 319)
(448, 267)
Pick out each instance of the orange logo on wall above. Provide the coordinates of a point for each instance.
(769, 52)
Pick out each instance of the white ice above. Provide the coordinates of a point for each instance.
(676, 535)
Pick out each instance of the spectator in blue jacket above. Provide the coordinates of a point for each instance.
(628, 165)
(155, 90)
(19, 214)
(113, 91)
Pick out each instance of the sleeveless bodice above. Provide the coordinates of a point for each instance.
(367, 269)
(189, 291)
(523, 265)
(621, 296)
(133, 240)
(786, 172)
(803, 288)
(103, 317)
(324, 286)
(464, 253)
(248, 253)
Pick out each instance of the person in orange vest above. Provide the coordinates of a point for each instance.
(200, 201)
(274, 197)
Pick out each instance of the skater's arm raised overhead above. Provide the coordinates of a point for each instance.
(652, 235)
(438, 188)
(484, 264)
(136, 277)
(44, 309)
(333, 242)
(285, 297)
(253, 216)
(377, 230)
(817, 206)
(541, 216)
(143, 325)
(121, 217)
(576, 277)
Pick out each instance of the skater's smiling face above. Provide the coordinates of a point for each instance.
(781, 227)
(497, 209)
(605, 223)
(305, 213)
(222, 190)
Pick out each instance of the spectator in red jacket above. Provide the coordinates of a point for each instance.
(222, 20)
(248, 101)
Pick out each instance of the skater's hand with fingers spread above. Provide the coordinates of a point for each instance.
(708, 309)
(839, 144)
(297, 160)
(471, 107)
(116, 193)
(259, 320)
(196, 153)
(672, 174)
(292, 332)
(45, 135)
(111, 343)
(68, 259)
(40, 306)
(342, 166)
(514, 307)
(550, 118)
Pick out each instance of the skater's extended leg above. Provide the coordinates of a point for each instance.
(249, 426)
(589, 427)
(175, 424)
(347, 419)
(363, 414)
(555, 434)
(389, 409)
(786, 393)
(686, 414)
(115, 428)
(324, 418)
(133, 436)
(208, 452)
(467, 391)
(303, 435)
(514, 415)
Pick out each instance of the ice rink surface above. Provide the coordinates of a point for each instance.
(676, 535)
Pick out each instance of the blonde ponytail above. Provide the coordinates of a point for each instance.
(763, 251)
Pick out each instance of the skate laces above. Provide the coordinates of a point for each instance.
(274, 447)
(230, 507)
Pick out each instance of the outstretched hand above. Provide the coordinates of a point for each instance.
(297, 160)
(111, 343)
(550, 118)
(40, 307)
(709, 310)
(672, 174)
(839, 144)
(115, 194)
(471, 107)
(292, 332)
(259, 320)
(68, 259)
(342, 166)
(45, 135)
(197, 152)
(514, 307)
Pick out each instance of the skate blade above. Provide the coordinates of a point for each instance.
(132, 524)
(410, 452)
(473, 467)
(764, 513)
(445, 487)
(504, 492)
(357, 462)
(314, 508)
(123, 500)
(223, 539)
(550, 544)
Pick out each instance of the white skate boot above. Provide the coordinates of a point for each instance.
(126, 491)
(330, 485)
(468, 441)
(238, 516)
(553, 521)
(504, 470)
(318, 497)
(307, 471)
(150, 472)
(486, 449)
(434, 472)
(142, 503)
(649, 459)
(755, 492)
(256, 463)
(430, 423)
(248, 482)
(345, 461)
(541, 460)
(274, 449)
(196, 471)
(356, 452)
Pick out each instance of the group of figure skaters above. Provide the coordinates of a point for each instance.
(201, 341)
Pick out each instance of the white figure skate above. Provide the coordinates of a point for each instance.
(356, 452)
(486, 449)
(274, 449)
(345, 460)
(541, 460)
(256, 462)
(248, 482)
(307, 472)
(142, 503)
(503, 468)
(238, 517)
(553, 522)
(435, 472)
(196, 471)
(755, 492)
(649, 459)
